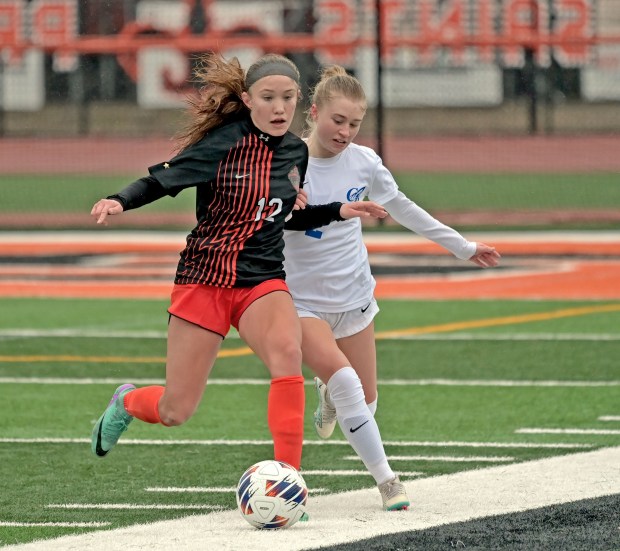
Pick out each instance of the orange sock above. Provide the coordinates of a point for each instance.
(143, 403)
(285, 416)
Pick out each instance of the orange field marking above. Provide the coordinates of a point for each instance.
(516, 247)
(530, 248)
(579, 281)
(585, 269)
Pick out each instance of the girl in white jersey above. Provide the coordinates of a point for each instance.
(328, 273)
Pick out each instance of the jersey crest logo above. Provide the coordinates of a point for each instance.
(355, 193)
(294, 177)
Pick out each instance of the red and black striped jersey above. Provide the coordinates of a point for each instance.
(246, 184)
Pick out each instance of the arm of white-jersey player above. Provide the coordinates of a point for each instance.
(416, 219)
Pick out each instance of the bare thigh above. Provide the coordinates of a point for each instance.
(320, 351)
(191, 354)
(271, 328)
(361, 351)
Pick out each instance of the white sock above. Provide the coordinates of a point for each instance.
(357, 422)
(373, 406)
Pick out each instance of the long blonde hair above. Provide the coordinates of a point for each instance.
(219, 97)
(335, 81)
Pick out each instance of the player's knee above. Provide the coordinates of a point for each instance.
(173, 415)
(345, 388)
(285, 359)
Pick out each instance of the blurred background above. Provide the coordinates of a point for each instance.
(122, 67)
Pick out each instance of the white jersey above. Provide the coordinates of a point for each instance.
(327, 269)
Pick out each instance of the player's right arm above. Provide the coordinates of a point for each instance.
(139, 193)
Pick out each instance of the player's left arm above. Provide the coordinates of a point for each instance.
(315, 216)
(485, 256)
(415, 218)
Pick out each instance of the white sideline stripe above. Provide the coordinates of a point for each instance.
(352, 516)
(347, 472)
(381, 382)
(460, 336)
(609, 418)
(497, 382)
(127, 506)
(82, 333)
(601, 432)
(446, 458)
(206, 490)
(55, 524)
(400, 443)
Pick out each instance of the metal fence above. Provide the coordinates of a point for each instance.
(123, 67)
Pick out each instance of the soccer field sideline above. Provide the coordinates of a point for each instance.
(354, 516)
(361, 508)
(537, 265)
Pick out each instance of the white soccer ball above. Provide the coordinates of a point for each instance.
(271, 494)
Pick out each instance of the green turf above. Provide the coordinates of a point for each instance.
(501, 192)
(73, 193)
(508, 191)
(37, 475)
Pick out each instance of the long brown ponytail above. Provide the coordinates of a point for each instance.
(218, 99)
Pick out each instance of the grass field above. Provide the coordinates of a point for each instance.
(74, 194)
(486, 391)
(449, 401)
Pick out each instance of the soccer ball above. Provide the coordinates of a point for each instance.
(271, 494)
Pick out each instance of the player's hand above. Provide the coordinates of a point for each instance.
(104, 208)
(362, 209)
(485, 256)
(301, 201)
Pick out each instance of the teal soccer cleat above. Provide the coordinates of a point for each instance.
(325, 418)
(112, 423)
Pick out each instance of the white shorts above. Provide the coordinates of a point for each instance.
(348, 323)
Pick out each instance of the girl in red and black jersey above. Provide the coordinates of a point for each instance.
(247, 168)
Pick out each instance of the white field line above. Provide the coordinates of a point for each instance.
(353, 516)
(609, 418)
(347, 472)
(399, 443)
(496, 382)
(207, 490)
(136, 506)
(81, 333)
(54, 524)
(597, 432)
(458, 336)
(351, 472)
(444, 458)
(259, 382)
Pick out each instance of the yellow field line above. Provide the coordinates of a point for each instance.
(506, 320)
(441, 328)
(114, 359)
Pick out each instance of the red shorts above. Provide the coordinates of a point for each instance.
(217, 308)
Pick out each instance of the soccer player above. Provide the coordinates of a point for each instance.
(329, 276)
(246, 168)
